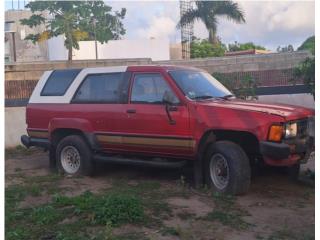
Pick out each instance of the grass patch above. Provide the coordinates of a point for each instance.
(113, 208)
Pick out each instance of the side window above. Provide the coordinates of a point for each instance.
(103, 88)
(150, 88)
(59, 81)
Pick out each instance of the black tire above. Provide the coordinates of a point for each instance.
(238, 164)
(52, 159)
(86, 164)
(293, 172)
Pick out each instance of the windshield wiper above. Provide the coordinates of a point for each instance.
(203, 97)
(227, 96)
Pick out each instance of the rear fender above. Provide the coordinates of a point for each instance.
(71, 123)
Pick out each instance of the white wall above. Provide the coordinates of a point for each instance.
(156, 49)
(15, 125)
(304, 99)
(56, 49)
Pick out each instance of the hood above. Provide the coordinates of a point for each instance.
(289, 112)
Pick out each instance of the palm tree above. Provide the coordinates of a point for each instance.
(208, 11)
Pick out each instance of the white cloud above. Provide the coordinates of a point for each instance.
(268, 23)
(271, 23)
(159, 27)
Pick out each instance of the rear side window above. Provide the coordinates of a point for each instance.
(103, 88)
(59, 81)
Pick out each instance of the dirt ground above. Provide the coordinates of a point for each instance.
(274, 208)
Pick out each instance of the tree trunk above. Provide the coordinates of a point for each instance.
(212, 37)
(70, 54)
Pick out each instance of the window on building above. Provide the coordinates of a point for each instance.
(9, 26)
(59, 81)
(149, 88)
(104, 88)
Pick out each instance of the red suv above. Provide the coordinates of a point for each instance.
(163, 116)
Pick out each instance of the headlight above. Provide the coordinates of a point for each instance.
(291, 130)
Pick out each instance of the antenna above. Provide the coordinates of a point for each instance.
(186, 30)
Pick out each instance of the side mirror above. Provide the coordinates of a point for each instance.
(169, 98)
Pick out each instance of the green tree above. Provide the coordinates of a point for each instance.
(244, 46)
(306, 69)
(306, 72)
(209, 11)
(76, 20)
(203, 48)
(308, 44)
(284, 49)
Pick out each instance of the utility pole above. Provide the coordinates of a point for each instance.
(95, 36)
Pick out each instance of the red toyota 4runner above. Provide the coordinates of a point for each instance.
(162, 116)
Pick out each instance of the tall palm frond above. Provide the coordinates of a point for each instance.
(209, 11)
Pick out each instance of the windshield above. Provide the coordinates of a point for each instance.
(199, 85)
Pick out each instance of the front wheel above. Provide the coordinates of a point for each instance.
(227, 168)
(74, 156)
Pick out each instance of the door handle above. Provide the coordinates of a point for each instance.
(131, 111)
(173, 109)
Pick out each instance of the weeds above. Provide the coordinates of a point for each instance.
(227, 213)
(113, 208)
(19, 151)
(231, 219)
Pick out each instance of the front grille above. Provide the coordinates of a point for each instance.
(302, 130)
(311, 127)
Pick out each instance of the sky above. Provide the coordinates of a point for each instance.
(268, 23)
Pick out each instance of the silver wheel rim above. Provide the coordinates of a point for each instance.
(219, 171)
(70, 159)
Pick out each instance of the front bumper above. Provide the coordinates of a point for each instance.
(37, 142)
(287, 153)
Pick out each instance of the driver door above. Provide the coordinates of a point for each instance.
(150, 130)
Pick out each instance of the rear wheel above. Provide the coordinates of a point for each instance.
(227, 168)
(74, 156)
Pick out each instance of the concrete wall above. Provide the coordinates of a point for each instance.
(245, 63)
(33, 71)
(303, 100)
(15, 125)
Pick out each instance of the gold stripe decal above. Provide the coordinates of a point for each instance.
(149, 141)
(38, 134)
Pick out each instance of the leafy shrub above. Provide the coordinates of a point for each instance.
(306, 71)
(203, 49)
(119, 208)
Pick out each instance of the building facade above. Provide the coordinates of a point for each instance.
(16, 48)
